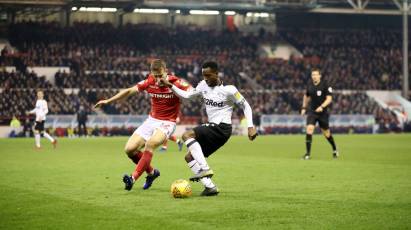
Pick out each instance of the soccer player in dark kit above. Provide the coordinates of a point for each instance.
(318, 94)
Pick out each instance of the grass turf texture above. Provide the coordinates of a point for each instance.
(263, 185)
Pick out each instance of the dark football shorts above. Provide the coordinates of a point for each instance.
(321, 118)
(39, 126)
(211, 136)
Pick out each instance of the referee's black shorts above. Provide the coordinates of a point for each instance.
(211, 136)
(39, 126)
(321, 118)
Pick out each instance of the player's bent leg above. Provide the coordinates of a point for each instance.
(188, 158)
(326, 132)
(195, 158)
(37, 138)
(330, 139)
(188, 134)
(196, 169)
(134, 143)
(210, 187)
(51, 139)
(155, 140)
(308, 141)
(310, 129)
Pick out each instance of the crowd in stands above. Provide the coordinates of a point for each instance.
(103, 59)
(17, 102)
(351, 59)
(22, 80)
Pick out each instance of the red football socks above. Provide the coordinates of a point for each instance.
(136, 158)
(143, 164)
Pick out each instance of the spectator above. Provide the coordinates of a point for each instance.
(82, 118)
(15, 127)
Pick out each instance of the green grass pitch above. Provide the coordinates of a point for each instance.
(263, 185)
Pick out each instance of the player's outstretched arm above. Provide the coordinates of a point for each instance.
(179, 92)
(121, 95)
(184, 94)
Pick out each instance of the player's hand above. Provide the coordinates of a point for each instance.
(101, 103)
(252, 133)
(165, 82)
(303, 111)
(319, 109)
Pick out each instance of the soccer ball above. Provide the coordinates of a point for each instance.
(181, 189)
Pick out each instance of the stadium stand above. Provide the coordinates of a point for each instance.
(104, 59)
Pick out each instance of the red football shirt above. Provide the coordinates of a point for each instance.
(165, 105)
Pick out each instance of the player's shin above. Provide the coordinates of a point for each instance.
(207, 182)
(308, 141)
(136, 158)
(46, 135)
(37, 139)
(330, 140)
(143, 164)
(194, 166)
(197, 153)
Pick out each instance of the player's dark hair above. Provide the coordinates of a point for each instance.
(157, 64)
(315, 69)
(212, 65)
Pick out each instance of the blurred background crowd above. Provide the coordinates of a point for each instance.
(104, 59)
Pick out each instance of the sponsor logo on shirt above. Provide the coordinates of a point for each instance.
(213, 103)
(162, 95)
(319, 93)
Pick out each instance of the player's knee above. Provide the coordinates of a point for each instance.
(310, 130)
(327, 133)
(129, 151)
(151, 145)
(188, 134)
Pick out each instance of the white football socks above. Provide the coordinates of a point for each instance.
(195, 168)
(197, 153)
(207, 182)
(37, 139)
(46, 135)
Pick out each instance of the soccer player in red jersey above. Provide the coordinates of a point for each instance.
(158, 127)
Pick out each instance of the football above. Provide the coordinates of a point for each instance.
(181, 189)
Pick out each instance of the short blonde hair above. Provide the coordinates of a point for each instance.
(157, 64)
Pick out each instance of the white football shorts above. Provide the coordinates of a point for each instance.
(146, 130)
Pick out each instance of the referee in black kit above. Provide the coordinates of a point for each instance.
(318, 94)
